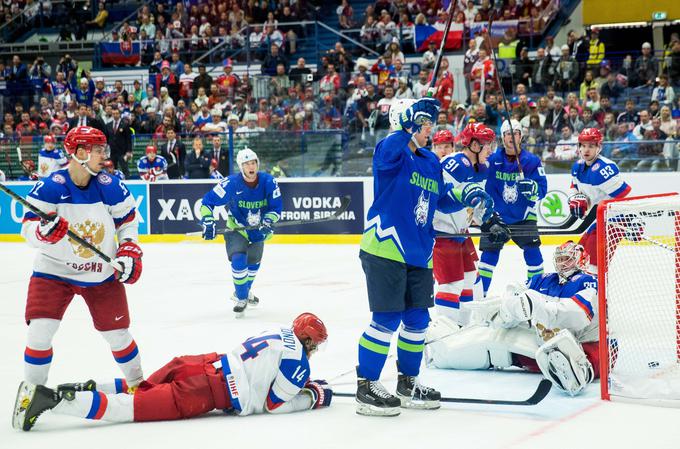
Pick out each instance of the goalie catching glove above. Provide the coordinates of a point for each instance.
(129, 257)
(320, 391)
(52, 230)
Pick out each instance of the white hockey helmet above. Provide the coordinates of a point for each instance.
(396, 109)
(246, 155)
(511, 126)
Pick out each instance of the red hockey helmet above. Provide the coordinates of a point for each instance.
(477, 131)
(308, 325)
(49, 139)
(83, 136)
(590, 135)
(108, 163)
(29, 164)
(442, 136)
(150, 149)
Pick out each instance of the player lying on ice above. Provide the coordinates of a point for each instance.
(550, 324)
(266, 373)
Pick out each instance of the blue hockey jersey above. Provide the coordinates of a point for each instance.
(407, 188)
(246, 206)
(501, 184)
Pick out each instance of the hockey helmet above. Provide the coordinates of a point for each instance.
(83, 136)
(246, 155)
(511, 126)
(308, 325)
(150, 149)
(108, 163)
(49, 139)
(442, 136)
(477, 131)
(590, 135)
(569, 258)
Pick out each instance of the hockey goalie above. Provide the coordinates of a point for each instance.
(548, 325)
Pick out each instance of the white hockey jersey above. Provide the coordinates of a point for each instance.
(50, 161)
(98, 213)
(599, 181)
(266, 373)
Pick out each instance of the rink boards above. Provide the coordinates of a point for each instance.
(170, 209)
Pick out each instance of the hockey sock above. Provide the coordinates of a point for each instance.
(252, 272)
(411, 341)
(466, 296)
(374, 343)
(126, 354)
(239, 272)
(487, 264)
(38, 352)
(117, 386)
(534, 261)
(97, 405)
(447, 299)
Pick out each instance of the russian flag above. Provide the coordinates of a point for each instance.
(123, 52)
(424, 34)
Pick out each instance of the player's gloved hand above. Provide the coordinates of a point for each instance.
(578, 205)
(321, 393)
(266, 225)
(52, 230)
(497, 230)
(423, 110)
(528, 188)
(129, 256)
(209, 231)
(474, 196)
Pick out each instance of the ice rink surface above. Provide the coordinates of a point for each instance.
(180, 306)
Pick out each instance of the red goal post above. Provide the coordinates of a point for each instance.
(638, 255)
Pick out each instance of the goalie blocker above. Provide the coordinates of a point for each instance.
(537, 327)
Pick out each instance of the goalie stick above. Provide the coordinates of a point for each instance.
(541, 392)
(344, 205)
(70, 233)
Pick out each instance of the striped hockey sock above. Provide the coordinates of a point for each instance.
(126, 354)
(252, 272)
(410, 346)
(38, 353)
(487, 264)
(374, 346)
(239, 273)
(447, 299)
(97, 405)
(534, 261)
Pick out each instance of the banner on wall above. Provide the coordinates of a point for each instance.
(12, 212)
(175, 207)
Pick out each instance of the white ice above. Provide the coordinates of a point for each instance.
(180, 306)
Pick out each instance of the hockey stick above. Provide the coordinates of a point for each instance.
(70, 233)
(440, 56)
(506, 105)
(344, 205)
(541, 392)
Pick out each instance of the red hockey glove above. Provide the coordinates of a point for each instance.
(578, 205)
(129, 256)
(321, 393)
(53, 230)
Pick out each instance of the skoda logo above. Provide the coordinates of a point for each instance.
(554, 208)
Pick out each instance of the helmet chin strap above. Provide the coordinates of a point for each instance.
(83, 163)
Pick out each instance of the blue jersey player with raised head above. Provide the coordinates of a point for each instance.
(253, 201)
(516, 196)
(396, 256)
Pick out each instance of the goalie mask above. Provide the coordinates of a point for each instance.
(569, 259)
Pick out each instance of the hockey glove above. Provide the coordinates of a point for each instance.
(498, 232)
(52, 230)
(209, 230)
(474, 196)
(266, 225)
(321, 393)
(419, 113)
(129, 256)
(578, 205)
(528, 188)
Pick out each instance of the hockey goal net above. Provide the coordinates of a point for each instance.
(639, 298)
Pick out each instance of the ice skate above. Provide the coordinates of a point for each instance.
(31, 401)
(239, 306)
(253, 300)
(374, 400)
(413, 394)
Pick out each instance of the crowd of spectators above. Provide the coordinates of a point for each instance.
(554, 95)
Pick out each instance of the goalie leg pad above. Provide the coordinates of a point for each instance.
(563, 362)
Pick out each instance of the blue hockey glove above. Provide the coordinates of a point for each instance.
(474, 196)
(528, 188)
(321, 393)
(498, 231)
(266, 225)
(209, 230)
(423, 110)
